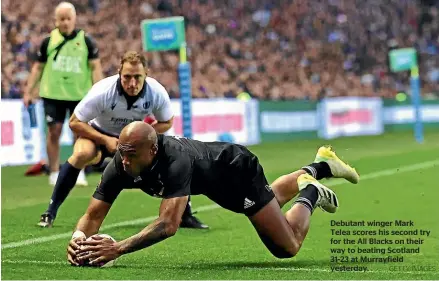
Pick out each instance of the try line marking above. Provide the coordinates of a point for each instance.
(382, 173)
(292, 268)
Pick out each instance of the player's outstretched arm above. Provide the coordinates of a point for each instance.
(166, 225)
(88, 225)
(92, 220)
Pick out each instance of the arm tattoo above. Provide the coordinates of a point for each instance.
(150, 235)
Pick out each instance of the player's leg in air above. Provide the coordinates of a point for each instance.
(283, 234)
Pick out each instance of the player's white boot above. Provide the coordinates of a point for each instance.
(53, 177)
(327, 199)
(339, 169)
(81, 179)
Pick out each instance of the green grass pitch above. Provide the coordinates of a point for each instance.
(399, 182)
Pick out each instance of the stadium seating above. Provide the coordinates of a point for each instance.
(276, 50)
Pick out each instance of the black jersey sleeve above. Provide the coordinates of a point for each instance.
(110, 185)
(179, 177)
(41, 55)
(93, 51)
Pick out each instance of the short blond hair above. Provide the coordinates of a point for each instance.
(64, 5)
(133, 57)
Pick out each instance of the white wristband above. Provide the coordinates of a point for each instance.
(78, 233)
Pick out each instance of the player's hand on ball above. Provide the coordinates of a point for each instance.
(111, 144)
(98, 251)
(71, 251)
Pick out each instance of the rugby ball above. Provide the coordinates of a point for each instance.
(105, 236)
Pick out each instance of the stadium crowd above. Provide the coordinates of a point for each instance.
(272, 49)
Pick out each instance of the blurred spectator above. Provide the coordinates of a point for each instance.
(301, 49)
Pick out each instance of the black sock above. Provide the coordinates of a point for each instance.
(66, 181)
(188, 210)
(318, 170)
(308, 197)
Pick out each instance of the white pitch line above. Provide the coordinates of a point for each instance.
(292, 268)
(43, 239)
(382, 173)
(389, 172)
(35, 262)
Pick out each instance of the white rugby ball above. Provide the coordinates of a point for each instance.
(104, 264)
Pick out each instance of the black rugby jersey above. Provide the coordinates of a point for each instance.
(184, 167)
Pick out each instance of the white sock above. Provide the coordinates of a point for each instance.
(53, 177)
(54, 174)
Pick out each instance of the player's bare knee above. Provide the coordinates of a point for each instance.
(81, 158)
(54, 131)
(283, 251)
(283, 254)
(289, 251)
(53, 136)
(293, 251)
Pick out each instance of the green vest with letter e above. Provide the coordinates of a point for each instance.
(66, 75)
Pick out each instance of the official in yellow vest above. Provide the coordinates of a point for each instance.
(67, 66)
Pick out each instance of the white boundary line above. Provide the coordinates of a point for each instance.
(335, 182)
(292, 268)
(110, 226)
(390, 172)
